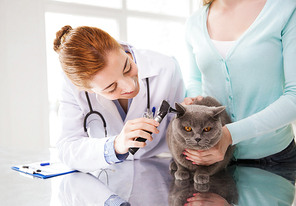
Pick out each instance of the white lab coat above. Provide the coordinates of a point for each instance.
(85, 151)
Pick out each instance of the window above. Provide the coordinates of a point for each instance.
(151, 24)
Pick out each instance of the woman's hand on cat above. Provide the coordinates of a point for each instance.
(190, 100)
(212, 155)
(207, 199)
(132, 130)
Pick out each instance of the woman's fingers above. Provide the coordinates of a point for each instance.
(205, 157)
(199, 153)
(199, 98)
(188, 101)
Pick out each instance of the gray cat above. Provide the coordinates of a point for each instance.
(197, 127)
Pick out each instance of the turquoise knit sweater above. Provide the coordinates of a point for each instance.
(256, 81)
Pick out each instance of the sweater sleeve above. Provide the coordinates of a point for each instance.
(281, 112)
(194, 83)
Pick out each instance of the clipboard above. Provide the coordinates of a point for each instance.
(44, 170)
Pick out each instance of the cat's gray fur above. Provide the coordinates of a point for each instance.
(201, 114)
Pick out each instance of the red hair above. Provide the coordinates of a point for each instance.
(205, 2)
(83, 52)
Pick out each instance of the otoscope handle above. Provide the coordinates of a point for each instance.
(133, 150)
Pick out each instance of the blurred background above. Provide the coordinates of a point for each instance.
(30, 70)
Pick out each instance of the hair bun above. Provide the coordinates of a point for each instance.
(60, 35)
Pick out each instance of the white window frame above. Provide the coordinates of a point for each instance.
(119, 15)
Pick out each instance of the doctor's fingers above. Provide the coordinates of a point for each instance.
(143, 120)
(136, 144)
(140, 133)
(144, 126)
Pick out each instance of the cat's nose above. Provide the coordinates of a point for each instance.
(197, 139)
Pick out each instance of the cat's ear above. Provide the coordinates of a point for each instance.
(180, 110)
(217, 110)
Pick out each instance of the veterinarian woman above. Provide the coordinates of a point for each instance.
(119, 84)
(243, 54)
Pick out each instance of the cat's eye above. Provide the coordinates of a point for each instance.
(187, 129)
(207, 129)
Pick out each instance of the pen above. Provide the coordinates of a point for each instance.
(153, 111)
(44, 164)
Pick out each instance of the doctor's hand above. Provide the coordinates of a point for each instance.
(190, 100)
(212, 155)
(132, 130)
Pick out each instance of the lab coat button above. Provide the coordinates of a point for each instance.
(106, 152)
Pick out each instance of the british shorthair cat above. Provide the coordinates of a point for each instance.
(197, 127)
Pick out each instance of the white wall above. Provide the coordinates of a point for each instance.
(23, 81)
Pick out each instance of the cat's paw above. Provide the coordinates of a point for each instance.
(202, 187)
(182, 175)
(183, 183)
(201, 178)
(173, 166)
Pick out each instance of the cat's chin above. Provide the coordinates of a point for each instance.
(197, 147)
(203, 148)
(208, 145)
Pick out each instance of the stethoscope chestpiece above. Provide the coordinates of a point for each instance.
(148, 114)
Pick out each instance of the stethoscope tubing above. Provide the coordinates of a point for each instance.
(93, 112)
(148, 94)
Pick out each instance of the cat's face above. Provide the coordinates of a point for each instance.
(199, 127)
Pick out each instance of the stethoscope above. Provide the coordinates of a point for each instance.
(147, 114)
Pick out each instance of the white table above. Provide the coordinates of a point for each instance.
(145, 182)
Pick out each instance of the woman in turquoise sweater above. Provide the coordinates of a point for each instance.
(243, 53)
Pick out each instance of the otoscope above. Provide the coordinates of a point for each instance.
(161, 113)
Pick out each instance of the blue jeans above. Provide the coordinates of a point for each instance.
(282, 163)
